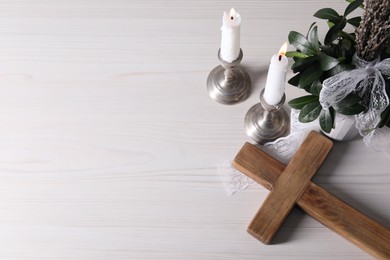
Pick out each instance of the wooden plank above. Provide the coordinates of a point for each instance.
(346, 221)
(290, 186)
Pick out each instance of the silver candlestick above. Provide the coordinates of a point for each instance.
(228, 83)
(265, 123)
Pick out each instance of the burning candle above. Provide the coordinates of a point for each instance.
(276, 78)
(230, 42)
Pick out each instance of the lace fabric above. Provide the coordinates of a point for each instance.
(366, 81)
(379, 140)
(284, 148)
(232, 179)
(281, 149)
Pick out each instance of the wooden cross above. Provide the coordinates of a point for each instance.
(292, 185)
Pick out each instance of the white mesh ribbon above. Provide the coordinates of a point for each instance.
(366, 81)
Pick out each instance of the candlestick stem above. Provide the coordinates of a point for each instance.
(229, 75)
(228, 83)
(265, 123)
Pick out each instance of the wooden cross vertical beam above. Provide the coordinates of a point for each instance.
(323, 206)
(289, 187)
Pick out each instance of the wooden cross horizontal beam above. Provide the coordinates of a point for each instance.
(317, 202)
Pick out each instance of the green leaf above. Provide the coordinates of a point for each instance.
(301, 43)
(352, 110)
(313, 38)
(302, 64)
(347, 36)
(385, 117)
(327, 120)
(309, 76)
(341, 59)
(349, 105)
(296, 54)
(346, 44)
(340, 68)
(385, 55)
(328, 50)
(310, 112)
(316, 87)
(350, 1)
(330, 24)
(308, 31)
(328, 14)
(299, 103)
(295, 80)
(332, 34)
(327, 62)
(355, 21)
(350, 100)
(307, 88)
(352, 6)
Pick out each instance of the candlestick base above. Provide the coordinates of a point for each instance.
(265, 123)
(228, 83)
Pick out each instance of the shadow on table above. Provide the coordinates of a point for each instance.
(325, 174)
(258, 74)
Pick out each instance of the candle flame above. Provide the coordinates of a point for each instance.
(232, 13)
(283, 49)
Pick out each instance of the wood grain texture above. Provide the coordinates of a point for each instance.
(289, 187)
(366, 233)
(110, 145)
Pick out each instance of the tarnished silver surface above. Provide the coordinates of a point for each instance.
(265, 123)
(228, 83)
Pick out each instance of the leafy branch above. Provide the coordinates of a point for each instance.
(315, 61)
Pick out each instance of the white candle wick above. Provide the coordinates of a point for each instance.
(283, 50)
(232, 13)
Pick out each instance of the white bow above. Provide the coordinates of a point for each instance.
(366, 81)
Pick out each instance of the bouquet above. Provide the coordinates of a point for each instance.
(346, 72)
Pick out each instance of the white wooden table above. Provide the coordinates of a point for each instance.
(109, 143)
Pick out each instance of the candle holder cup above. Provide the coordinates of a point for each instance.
(228, 83)
(265, 123)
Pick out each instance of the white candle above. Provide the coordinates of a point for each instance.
(276, 78)
(230, 42)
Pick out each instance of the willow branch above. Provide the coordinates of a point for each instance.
(373, 33)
